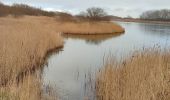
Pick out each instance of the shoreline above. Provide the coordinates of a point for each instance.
(37, 58)
(90, 28)
(26, 44)
(141, 21)
(40, 64)
(26, 51)
(97, 34)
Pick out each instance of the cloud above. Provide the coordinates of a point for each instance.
(51, 9)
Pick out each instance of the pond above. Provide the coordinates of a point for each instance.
(68, 69)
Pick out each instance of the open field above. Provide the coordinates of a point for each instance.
(24, 43)
(144, 76)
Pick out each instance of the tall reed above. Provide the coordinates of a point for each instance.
(144, 76)
(24, 43)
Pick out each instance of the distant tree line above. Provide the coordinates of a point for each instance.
(158, 15)
(91, 14)
(22, 9)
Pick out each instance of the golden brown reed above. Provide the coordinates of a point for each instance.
(79, 27)
(91, 28)
(23, 45)
(145, 76)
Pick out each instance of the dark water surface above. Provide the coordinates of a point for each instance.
(82, 54)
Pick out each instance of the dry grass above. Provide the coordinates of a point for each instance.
(23, 45)
(91, 28)
(77, 28)
(145, 76)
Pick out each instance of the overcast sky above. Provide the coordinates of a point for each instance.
(121, 8)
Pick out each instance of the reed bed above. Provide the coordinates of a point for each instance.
(78, 27)
(91, 28)
(24, 43)
(144, 76)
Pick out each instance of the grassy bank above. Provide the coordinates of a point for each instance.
(24, 43)
(144, 76)
(91, 28)
(77, 27)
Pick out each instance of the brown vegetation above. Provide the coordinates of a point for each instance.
(92, 22)
(24, 43)
(145, 76)
(65, 17)
(91, 28)
(18, 10)
(94, 14)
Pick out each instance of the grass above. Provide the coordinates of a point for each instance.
(77, 28)
(67, 23)
(24, 43)
(91, 28)
(144, 76)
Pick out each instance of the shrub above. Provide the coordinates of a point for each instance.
(93, 14)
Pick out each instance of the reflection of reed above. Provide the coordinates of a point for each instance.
(92, 39)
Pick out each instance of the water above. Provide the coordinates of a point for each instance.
(82, 54)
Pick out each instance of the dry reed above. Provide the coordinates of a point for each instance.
(145, 76)
(91, 28)
(23, 45)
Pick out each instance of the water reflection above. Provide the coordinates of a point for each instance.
(68, 69)
(155, 29)
(92, 39)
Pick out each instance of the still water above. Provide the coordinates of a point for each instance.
(68, 69)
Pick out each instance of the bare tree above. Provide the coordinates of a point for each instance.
(94, 13)
(162, 15)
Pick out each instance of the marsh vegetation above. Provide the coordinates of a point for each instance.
(76, 69)
(24, 43)
(144, 76)
(29, 34)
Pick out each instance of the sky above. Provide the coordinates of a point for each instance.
(122, 8)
